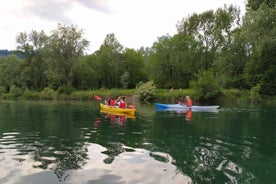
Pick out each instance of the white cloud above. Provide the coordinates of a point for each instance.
(135, 23)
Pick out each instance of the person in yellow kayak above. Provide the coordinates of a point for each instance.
(121, 102)
(110, 102)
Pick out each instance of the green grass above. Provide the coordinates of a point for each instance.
(233, 95)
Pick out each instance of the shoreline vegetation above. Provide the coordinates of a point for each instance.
(229, 96)
(211, 58)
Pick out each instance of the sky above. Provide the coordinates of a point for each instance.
(135, 23)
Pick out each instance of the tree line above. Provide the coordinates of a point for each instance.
(211, 51)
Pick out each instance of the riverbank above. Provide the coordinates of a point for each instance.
(163, 95)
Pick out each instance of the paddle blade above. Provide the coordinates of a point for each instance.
(97, 97)
(131, 106)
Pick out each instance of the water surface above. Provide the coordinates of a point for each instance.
(72, 142)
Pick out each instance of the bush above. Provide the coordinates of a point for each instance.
(30, 94)
(16, 91)
(47, 93)
(232, 92)
(145, 91)
(65, 90)
(254, 94)
(2, 89)
(206, 86)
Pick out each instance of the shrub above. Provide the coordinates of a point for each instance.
(16, 91)
(232, 92)
(65, 90)
(47, 93)
(2, 89)
(145, 91)
(30, 94)
(206, 86)
(254, 93)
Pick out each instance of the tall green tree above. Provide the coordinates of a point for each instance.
(33, 68)
(66, 46)
(230, 62)
(255, 4)
(161, 67)
(108, 62)
(261, 26)
(211, 30)
(84, 74)
(174, 60)
(10, 72)
(133, 65)
(268, 66)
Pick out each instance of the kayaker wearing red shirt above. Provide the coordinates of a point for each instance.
(189, 102)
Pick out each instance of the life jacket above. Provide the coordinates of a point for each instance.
(189, 103)
(112, 102)
(123, 104)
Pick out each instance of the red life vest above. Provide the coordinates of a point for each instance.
(189, 103)
(122, 104)
(112, 102)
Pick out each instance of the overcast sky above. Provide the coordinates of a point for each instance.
(135, 23)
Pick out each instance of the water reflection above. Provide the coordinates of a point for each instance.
(130, 166)
(188, 113)
(72, 143)
(54, 153)
(119, 119)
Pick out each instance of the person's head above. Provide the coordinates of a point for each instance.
(187, 97)
(123, 98)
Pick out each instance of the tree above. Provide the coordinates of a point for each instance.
(173, 61)
(268, 66)
(211, 30)
(261, 26)
(108, 62)
(206, 86)
(32, 46)
(66, 46)
(10, 72)
(230, 62)
(255, 4)
(84, 74)
(133, 65)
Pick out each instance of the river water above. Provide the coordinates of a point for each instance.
(72, 142)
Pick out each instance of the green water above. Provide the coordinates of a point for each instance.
(72, 142)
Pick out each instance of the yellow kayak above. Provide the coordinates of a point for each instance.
(117, 111)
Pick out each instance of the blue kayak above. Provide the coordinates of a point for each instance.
(179, 107)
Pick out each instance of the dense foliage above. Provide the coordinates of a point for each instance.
(212, 51)
(145, 91)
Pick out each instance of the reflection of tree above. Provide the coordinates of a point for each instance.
(54, 154)
(214, 148)
(208, 150)
(45, 133)
(114, 149)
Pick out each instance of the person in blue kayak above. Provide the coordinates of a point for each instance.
(189, 102)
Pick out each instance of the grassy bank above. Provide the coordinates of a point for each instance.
(163, 95)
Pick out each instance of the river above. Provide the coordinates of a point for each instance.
(72, 142)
